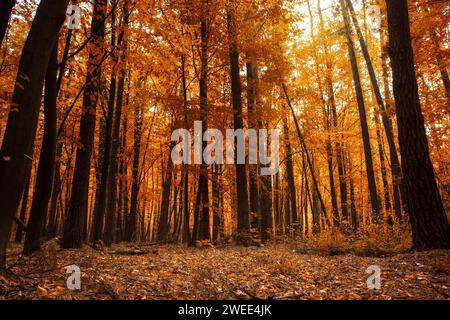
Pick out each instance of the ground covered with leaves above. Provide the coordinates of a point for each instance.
(148, 271)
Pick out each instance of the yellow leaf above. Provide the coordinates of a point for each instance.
(43, 293)
(56, 292)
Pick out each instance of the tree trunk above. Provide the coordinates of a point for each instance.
(397, 185)
(105, 138)
(204, 227)
(290, 177)
(430, 228)
(387, 122)
(186, 212)
(252, 82)
(308, 158)
(243, 226)
(163, 227)
(78, 207)
(130, 234)
(362, 115)
(44, 175)
(50, 231)
(6, 7)
(18, 140)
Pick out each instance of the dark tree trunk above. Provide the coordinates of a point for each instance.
(204, 227)
(44, 176)
(6, 7)
(362, 116)
(430, 228)
(105, 140)
(397, 185)
(290, 177)
(186, 212)
(440, 56)
(196, 226)
(215, 201)
(252, 82)
(243, 226)
(387, 200)
(131, 227)
(387, 122)
(78, 207)
(123, 190)
(115, 143)
(50, 231)
(18, 140)
(353, 213)
(113, 169)
(163, 227)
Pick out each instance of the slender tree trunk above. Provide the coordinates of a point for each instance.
(163, 227)
(430, 228)
(44, 179)
(290, 177)
(204, 227)
(18, 140)
(362, 116)
(113, 168)
(243, 227)
(387, 122)
(105, 139)
(78, 207)
(123, 191)
(215, 201)
(50, 231)
(131, 227)
(387, 200)
(252, 82)
(186, 212)
(397, 185)
(308, 158)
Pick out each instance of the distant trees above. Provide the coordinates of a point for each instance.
(174, 62)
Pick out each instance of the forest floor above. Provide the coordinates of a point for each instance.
(276, 271)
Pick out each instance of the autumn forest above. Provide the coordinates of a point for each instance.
(112, 114)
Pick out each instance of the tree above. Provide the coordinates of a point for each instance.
(44, 176)
(387, 122)
(6, 7)
(362, 115)
(430, 228)
(238, 121)
(75, 220)
(18, 140)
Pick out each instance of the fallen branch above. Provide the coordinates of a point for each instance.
(133, 252)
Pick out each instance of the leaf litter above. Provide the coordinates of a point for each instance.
(276, 271)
